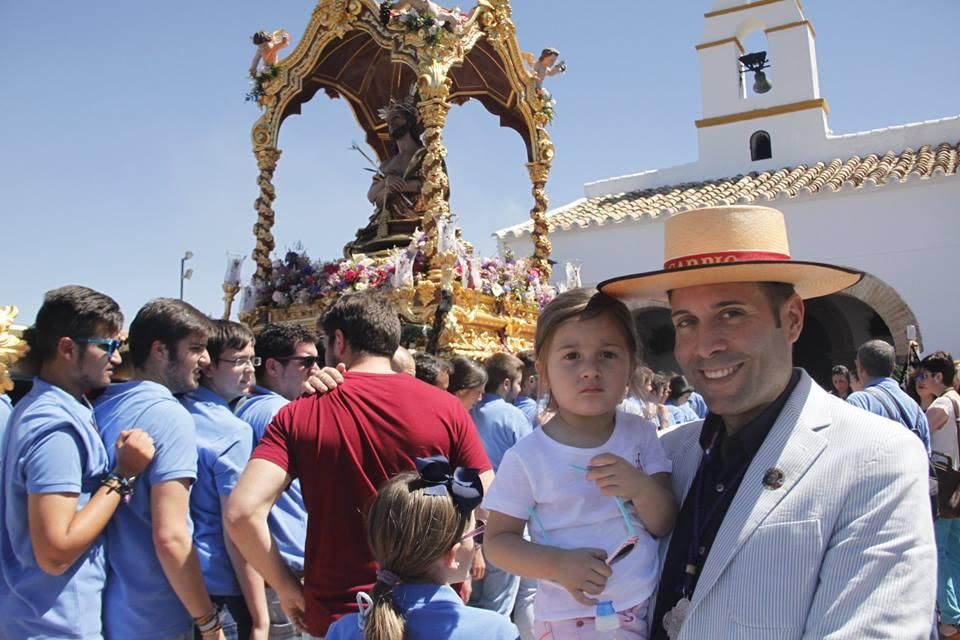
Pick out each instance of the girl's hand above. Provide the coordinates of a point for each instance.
(582, 571)
(615, 476)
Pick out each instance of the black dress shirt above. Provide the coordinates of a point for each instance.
(718, 477)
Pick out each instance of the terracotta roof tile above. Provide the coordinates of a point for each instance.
(789, 182)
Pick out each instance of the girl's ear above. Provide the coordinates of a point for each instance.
(450, 561)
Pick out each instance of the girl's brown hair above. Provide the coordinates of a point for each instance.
(582, 304)
(407, 530)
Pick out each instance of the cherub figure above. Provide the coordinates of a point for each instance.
(546, 65)
(268, 48)
(450, 17)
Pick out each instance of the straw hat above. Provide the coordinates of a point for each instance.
(720, 245)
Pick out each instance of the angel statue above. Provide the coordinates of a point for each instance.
(268, 48)
(546, 65)
(452, 18)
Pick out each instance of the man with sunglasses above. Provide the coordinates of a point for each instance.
(156, 589)
(224, 444)
(288, 359)
(59, 489)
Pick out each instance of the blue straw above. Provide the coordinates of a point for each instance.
(620, 505)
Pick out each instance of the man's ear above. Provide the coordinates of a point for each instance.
(159, 351)
(791, 315)
(272, 367)
(65, 348)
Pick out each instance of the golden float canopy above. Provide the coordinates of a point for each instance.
(348, 53)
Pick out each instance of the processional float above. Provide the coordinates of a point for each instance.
(401, 66)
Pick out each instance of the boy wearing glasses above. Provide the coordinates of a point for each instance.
(59, 488)
(288, 358)
(224, 444)
(156, 590)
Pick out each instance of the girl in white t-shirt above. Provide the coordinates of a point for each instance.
(592, 483)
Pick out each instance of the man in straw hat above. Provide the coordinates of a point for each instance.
(802, 516)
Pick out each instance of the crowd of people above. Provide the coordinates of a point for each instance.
(326, 482)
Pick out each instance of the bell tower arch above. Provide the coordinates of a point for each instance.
(776, 90)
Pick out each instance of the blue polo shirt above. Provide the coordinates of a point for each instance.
(139, 602)
(698, 404)
(288, 518)
(224, 444)
(51, 445)
(681, 413)
(529, 407)
(499, 424)
(909, 413)
(6, 408)
(434, 611)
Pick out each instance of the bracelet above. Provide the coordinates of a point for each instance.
(209, 623)
(120, 484)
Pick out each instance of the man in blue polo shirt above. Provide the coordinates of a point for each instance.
(155, 590)
(224, 445)
(882, 395)
(288, 359)
(6, 408)
(500, 425)
(526, 400)
(58, 491)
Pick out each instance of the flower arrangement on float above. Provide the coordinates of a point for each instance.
(298, 280)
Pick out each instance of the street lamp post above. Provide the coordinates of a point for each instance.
(185, 274)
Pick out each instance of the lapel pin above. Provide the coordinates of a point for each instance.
(772, 478)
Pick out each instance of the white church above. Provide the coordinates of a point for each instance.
(885, 201)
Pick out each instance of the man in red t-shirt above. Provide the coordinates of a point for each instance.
(343, 446)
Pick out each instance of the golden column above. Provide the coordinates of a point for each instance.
(433, 109)
(267, 163)
(539, 172)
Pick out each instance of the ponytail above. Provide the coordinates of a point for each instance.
(384, 621)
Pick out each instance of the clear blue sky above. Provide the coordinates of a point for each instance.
(125, 136)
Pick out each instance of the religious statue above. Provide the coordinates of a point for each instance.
(453, 19)
(546, 65)
(395, 190)
(268, 49)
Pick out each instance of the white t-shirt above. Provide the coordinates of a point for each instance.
(538, 473)
(944, 439)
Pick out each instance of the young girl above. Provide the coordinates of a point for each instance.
(423, 535)
(593, 483)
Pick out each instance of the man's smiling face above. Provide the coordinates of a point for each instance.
(734, 346)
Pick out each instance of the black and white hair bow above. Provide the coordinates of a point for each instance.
(461, 484)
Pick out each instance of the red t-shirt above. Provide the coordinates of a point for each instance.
(343, 446)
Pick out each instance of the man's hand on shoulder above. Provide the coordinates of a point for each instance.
(328, 379)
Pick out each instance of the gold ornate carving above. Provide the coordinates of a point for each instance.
(539, 172)
(434, 92)
(262, 230)
(12, 348)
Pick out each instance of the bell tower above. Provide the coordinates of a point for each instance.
(761, 108)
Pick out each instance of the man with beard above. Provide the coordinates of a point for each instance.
(156, 589)
(802, 516)
(58, 489)
(396, 188)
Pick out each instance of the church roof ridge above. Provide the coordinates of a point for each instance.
(758, 187)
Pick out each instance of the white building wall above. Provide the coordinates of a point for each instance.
(907, 235)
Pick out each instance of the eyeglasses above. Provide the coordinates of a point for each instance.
(243, 361)
(110, 345)
(307, 362)
(923, 375)
(476, 533)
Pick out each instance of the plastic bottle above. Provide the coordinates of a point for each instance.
(606, 618)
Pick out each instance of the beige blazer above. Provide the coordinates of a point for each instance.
(843, 549)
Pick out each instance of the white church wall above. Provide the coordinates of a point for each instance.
(904, 234)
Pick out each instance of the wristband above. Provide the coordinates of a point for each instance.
(120, 484)
(209, 623)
